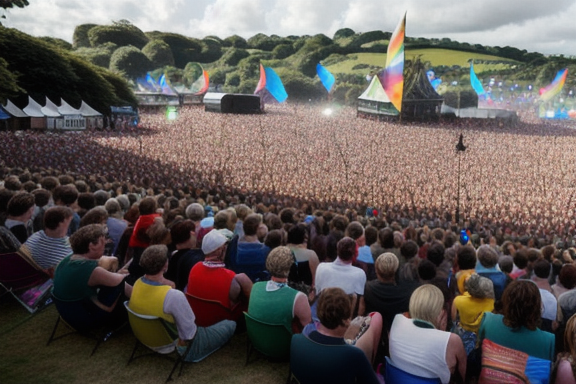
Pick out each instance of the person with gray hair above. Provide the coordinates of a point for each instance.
(470, 307)
(195, 212)
(153, 295)
(487, 266)
(115, 222)
(420, 345)
(124, 202)
(386, 295)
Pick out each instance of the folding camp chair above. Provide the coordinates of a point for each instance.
(155, 334)
(29, 284)
(78, 317)
(208, 312)
(272, 340)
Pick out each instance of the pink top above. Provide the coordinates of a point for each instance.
(564, 374)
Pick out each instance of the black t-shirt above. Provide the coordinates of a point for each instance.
(388, 299)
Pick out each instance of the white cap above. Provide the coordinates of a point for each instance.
(212, 241)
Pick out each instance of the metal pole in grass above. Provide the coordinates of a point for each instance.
(460, 147)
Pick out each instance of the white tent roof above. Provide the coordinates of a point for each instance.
(88, 111)
(50, 110)
(33, 109)
(67, 109)
(13, 110)
(375, 91)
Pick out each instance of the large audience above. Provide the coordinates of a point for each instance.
(353, 203)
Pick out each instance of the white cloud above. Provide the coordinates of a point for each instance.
(546, 27)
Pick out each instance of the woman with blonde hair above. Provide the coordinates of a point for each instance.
(420, 345)
(564, 371)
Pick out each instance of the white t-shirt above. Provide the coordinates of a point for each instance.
(549, 305)
(340, 275)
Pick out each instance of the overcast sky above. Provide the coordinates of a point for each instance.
(546, 26)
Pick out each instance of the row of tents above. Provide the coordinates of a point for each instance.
(49, 116)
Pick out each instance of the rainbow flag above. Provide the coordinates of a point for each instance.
(393, 74)
(554, 88)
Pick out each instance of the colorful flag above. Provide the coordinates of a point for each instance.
(476, 84)
(393, 74)
(555, 87)
(270, 84)
(326, 77)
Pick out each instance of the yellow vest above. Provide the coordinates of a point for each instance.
(148, 300)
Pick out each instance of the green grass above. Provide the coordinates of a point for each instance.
(25, 358)
(436, 57)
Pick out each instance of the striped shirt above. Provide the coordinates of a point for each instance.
(47, 251)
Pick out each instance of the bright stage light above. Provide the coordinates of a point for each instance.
(327, 112)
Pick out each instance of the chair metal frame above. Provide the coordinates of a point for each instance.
(99, 335)
(16, 285)
(282, 332)
(178, 360)
(252, 322)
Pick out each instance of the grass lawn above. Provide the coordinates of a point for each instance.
(25, 358)
(436, 57)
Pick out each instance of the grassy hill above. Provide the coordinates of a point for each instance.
(436, 58)
(122, 50)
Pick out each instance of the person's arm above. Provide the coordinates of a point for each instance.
(564, 373)
(456, 356)
(313, 262)
(241, 283)
(101, 276)
(454, 311)
(361, 306)
(109, 263)
(302, 309)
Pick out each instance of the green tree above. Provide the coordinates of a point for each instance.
(99, 56)
(130, 62)
(159, 53)
(211, 50)
(282, 51)
(9, 85)
(60, 43)
(235, 41)
(233, 79)
(343, 33)
(122, 91)
(232, 56)
(265, 43)
(299, 87)
(121, 34)
(80, 37)
(184, 49)
(5, 4)
(217, 76)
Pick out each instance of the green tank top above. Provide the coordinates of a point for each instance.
(71, 279)
(275, 307)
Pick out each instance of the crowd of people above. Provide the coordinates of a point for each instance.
(342, 229)
(517, 177)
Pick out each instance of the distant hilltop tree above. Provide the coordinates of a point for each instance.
(5, 4)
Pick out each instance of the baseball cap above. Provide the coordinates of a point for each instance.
(212, 241)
